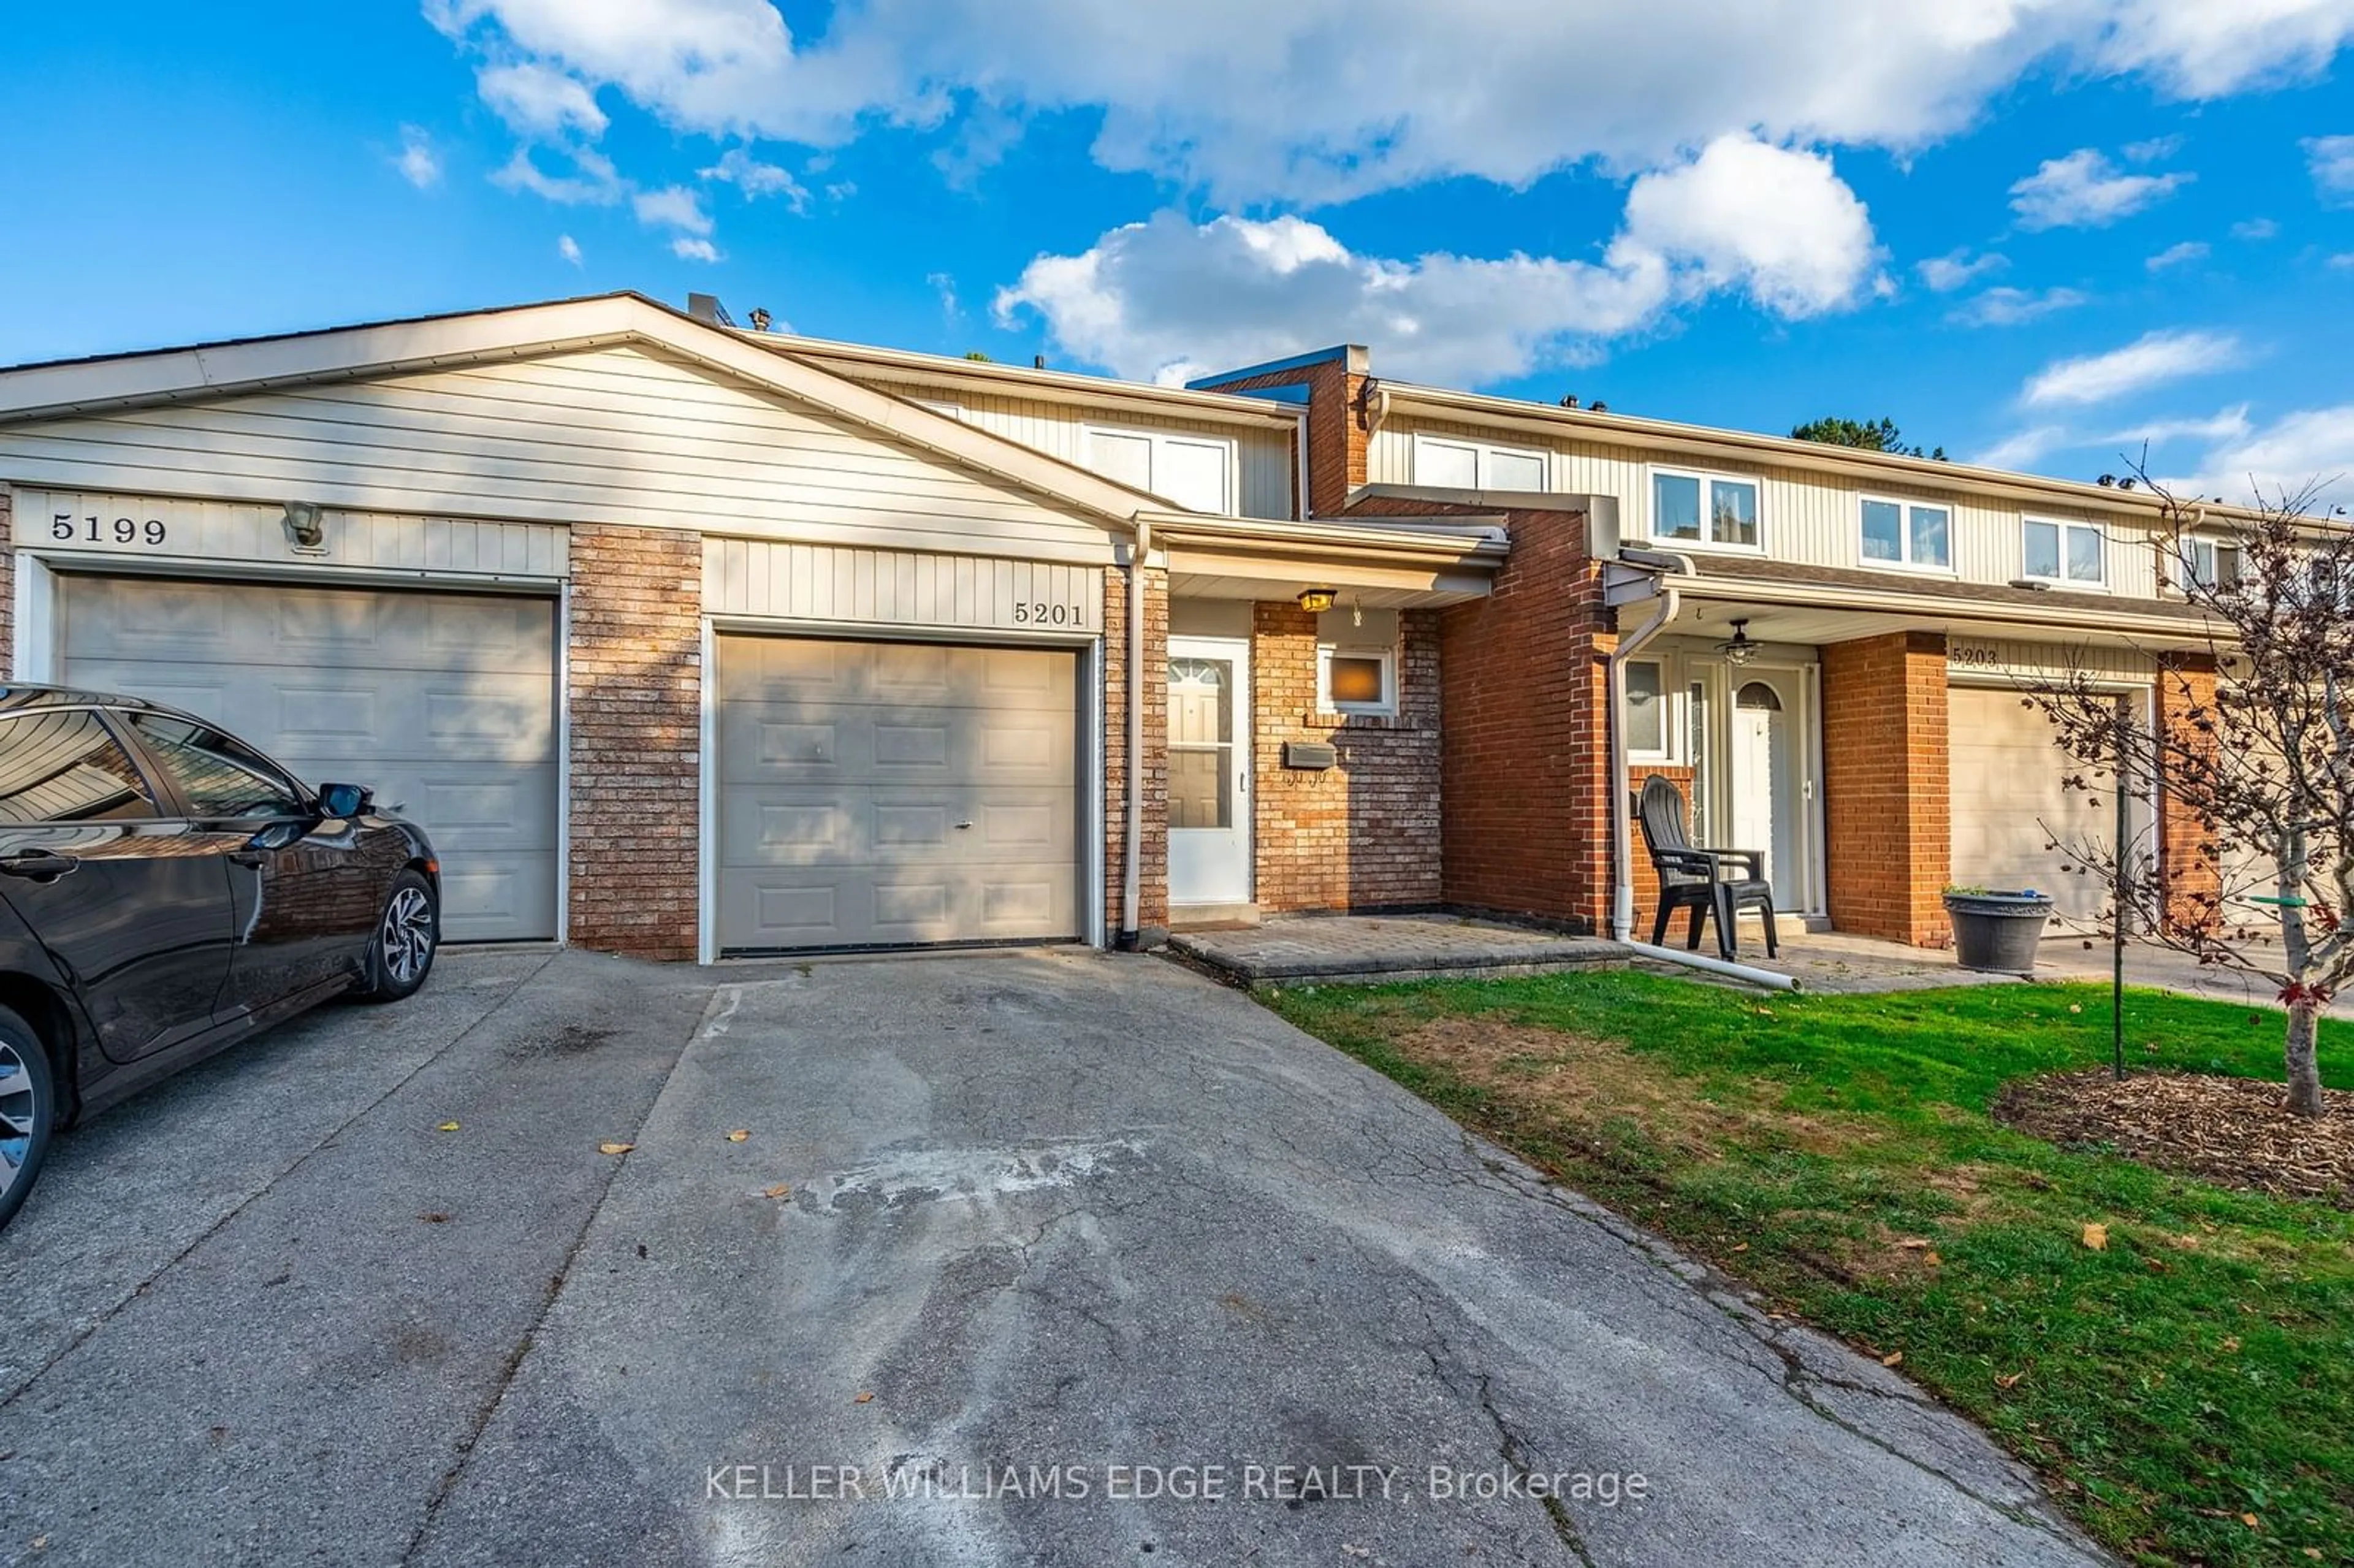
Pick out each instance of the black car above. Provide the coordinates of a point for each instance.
(167, 890)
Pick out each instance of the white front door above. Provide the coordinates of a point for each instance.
(1768, 805)
(1209, 770)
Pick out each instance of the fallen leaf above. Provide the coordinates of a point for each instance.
(40, 1543)
(434, 1217)
(1743, 1246)
(1891, 1359)
(2314, 1552)
(740, 1135)
(2230, 1342)
(2251, 1521)
(781, 1189)
(446, 1126)
(1931, 1258)
(2075, 1006)
(615, 1148)
(863, 1399)
(2008, 1379)
(1912, 1242)
(2097, 1237)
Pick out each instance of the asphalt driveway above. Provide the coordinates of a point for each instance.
(1026, 1258)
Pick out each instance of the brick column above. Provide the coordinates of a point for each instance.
(1887, 806)
(2186, 848)
(1364, 834)
(1338, 438)
(635, 657)
(1152, 905)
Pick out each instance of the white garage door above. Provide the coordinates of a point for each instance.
(2010, 801)
(875, 794)
(443, 703)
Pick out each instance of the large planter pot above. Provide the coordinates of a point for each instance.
(1998, 932)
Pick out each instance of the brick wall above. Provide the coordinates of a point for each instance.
(2186, 848)
(1364, 834)
(635, 687)
(1152, 909)
(1887, 807)
(1337, 436)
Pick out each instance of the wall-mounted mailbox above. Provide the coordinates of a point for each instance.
(1311, 754)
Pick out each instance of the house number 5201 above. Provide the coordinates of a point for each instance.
(1039, 614)
(66, 528)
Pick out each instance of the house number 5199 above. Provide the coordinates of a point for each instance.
(65, 528)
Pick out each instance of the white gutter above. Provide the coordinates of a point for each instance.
(1622, 854)
(1131, 890)
(1766, 980)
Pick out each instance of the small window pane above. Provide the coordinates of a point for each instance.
(2085, 555)
(65, 768)
(2226, 571)
(1883, 531)
(1125, 458)
(1931, 531)
(2042, 549)
(1193, 475)
(1675, 506)
(1647, 712)
(1358, 679)
(220, 775)
(1515, 470)
(1447, 466)
(1733, 512)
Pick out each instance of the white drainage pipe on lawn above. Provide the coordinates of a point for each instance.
(1765, 979)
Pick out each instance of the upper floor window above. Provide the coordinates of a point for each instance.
(2063, 552)
(1192, 472)
(1476, 465)
(2211, 563)
(1907, 534)
(1704, 509)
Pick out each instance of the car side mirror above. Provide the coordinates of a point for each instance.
(343, 799)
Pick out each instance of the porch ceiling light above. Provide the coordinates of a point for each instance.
(1737, 649)
(1317, 601)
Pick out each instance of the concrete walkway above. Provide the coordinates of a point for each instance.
(965, 1230)
(1387, 948)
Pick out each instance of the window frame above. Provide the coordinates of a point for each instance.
(1158, 441)
(1709, 479)
(1483, 456)
(1327, 705)
(1906, 507)
(2063, 580)
(2185, 559)
(1665, 697)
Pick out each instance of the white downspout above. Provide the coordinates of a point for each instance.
(1622, 855)
(1131, 891)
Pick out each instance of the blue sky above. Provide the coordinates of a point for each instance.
(2032, 231)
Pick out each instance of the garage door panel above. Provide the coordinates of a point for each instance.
(877, 793)
(851, 825)
(2010, 801)
(442, 704)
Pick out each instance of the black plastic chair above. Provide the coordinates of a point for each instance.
(1704, 881)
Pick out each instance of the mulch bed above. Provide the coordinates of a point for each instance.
(2235, 1131)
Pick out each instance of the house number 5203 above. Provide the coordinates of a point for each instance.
(66, 528)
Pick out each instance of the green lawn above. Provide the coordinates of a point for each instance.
(2196, 1374)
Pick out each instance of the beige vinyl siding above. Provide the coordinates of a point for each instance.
(618, 435)
(1978, 660)
(212, 532)
(886, 588)
(1804, 516)
(1261, 482)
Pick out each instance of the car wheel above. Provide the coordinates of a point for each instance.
(407, 935)
(29, 1110)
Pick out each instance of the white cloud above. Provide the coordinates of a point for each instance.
(2085, 190)
(2008, 307)
(1320, 99)
(1956, 269)
(2150, 360)
(1169, 298)
(2331, 159)
(2255, 229)
(672, 207)
(2178, 254)
(596, 184)
(568, 248)
(756, 179)
(536, 99)
(2228, 425)
(416, 161)
(2307, 447)
(687, 249)
(945, 287)
(2023, 448)
(2153, 149)
(2343, 261)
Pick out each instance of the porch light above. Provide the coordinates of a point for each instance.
(1738, 649)
(1317, 601)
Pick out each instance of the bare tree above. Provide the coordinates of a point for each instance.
(2252, 743)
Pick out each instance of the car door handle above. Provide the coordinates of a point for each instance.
(38, 865)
